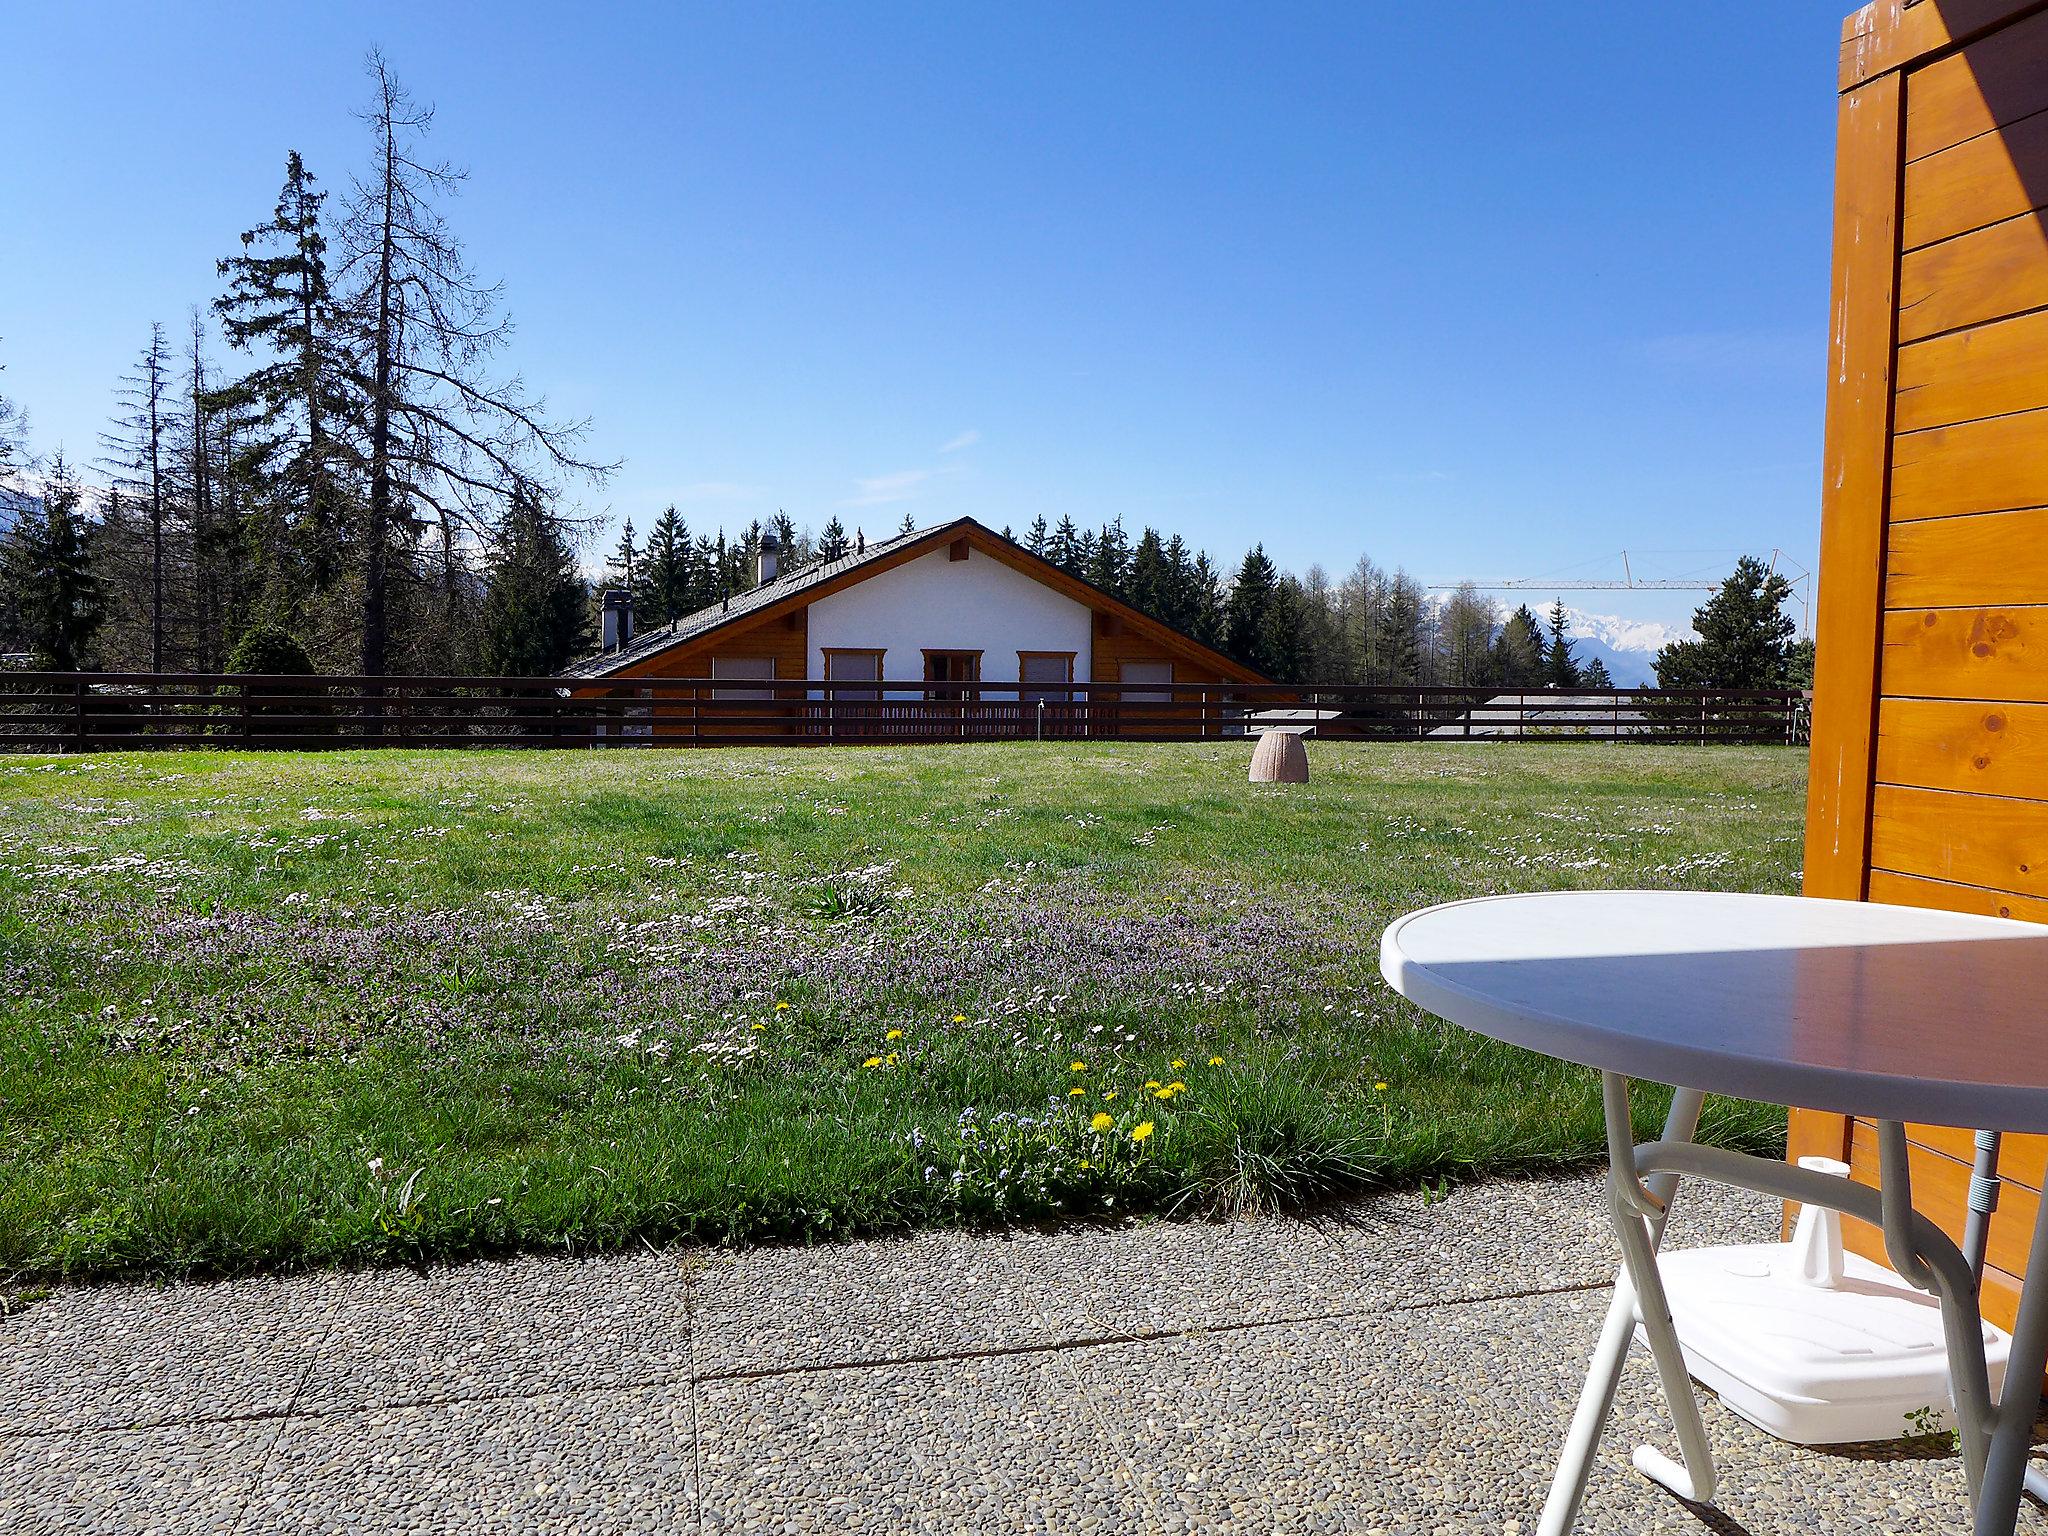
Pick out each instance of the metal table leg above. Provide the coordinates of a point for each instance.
(2012, 1424)
(1610, 1355)
(1994, 1445)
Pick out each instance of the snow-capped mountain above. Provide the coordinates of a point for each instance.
(1627, 647)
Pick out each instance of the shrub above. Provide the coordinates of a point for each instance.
(267, 649)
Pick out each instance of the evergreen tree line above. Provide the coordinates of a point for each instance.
(1369, 626)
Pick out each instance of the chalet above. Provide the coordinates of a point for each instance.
(955, 615)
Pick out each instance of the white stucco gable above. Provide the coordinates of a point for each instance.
(936, 602)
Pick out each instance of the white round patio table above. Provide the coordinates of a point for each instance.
(1890, 1013)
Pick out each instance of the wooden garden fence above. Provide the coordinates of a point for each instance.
(88, 712)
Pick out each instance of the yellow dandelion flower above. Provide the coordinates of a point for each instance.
(959, 1018)
(1178, 1086)
(1142, 1132)
(1151, 1082)
(1178, 1064)
(1077, 1066)
(1109, 1095)
(894, 1034)
(1075, 1093)
(1163, 1093)
(872, 1061)
(1086, 1164)
(760, 1026)
(892, 1058)
(780, 1006)
(1379, 1087)
(1215, 1061)
(1101, 1122)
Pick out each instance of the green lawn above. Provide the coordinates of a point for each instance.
(266, 1010)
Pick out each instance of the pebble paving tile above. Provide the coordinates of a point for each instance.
(1447, 1420)
(1519, 1235)
(132, 1355)
(558, 1464)
(901, 1299)
(520, 1325)
(1402, 1367)
(183, 1480)
(998, 1445)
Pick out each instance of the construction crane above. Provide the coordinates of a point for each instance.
(1794, 572)
(1629, 583)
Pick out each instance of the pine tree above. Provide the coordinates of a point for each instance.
(669, 557)
(138, 459)
(1063, 549)
(1744, 635)
(791, 556)
(832, 544)
(1517, 657)
(909, 524)
(1398, 642)
(1034, 536)
(1206, 611)
(1246, 631)
(441, 443)
(707, 572)
(1109, 560)
(1560, 667)
(624, 569)
(279, 306)
(1594, 675)
(46, 569)
(535, 603)
(1149, 586)
(1465, 637)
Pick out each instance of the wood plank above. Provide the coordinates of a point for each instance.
(2000, 80)
(1980, 181)
(1854, 486)
(1888, 35)
(1976, 466)
(1994, 561)
(1971, 839)
(1986, 749)
(1984, 275)
(1995, 655)
(1941, 1192)
(2022, 1160)
(1913, 891)
(1988, 370)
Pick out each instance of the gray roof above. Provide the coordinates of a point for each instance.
(652, 642)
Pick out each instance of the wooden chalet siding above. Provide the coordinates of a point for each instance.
(1930, 767)
(1116, 643)
(783, 636)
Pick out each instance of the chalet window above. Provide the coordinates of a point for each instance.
(762, 667)
(960, 668)
(1155, 672)
(1037, 669)
(849, 666)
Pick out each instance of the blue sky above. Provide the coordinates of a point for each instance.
(1485, 290)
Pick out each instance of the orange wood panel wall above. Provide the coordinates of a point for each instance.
(1930, 746)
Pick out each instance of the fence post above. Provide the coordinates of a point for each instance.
(248, 723)
(78, 698)
(1703, 719)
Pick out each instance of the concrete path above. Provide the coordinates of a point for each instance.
(1399, 1366)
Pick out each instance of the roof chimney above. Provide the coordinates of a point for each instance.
(767, 560)
(618, 620)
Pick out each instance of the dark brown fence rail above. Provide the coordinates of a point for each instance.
(86, 712)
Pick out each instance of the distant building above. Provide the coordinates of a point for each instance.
(956, 604)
